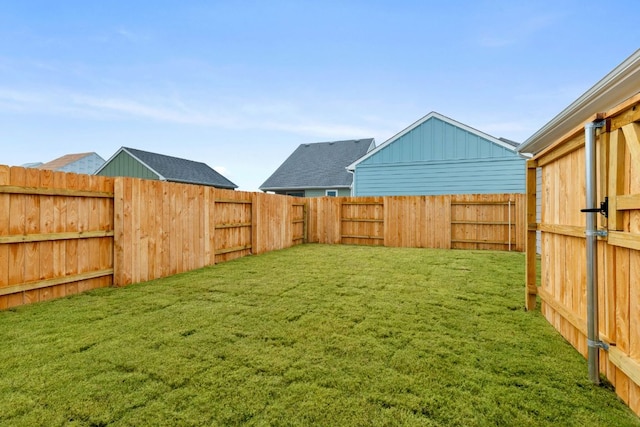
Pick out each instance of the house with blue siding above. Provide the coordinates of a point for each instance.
(438, 155)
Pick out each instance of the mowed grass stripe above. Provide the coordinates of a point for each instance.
(312, 335)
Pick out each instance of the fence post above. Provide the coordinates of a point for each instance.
(255, 206)
(305, 217)
(530, 288)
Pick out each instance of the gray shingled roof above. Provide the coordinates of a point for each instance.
(318, 165)
(181, 170)
(510, 142)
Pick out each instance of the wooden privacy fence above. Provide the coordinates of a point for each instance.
(481, 221)
(62, 233)
(56, 234)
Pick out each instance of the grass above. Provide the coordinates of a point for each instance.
(313, 335)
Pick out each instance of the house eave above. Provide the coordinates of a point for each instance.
(620, 84)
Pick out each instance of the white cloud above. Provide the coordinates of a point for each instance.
(266, 115)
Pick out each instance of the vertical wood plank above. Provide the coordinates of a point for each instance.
(622, 316)
(118, 232)
(84, 246)
(71, 246)
(616, 178)
(5, 210)
(106, 223)
(167, 217)
(46, 226)
(32, 226)
(531, 288)
(17, 225)
(59, 255)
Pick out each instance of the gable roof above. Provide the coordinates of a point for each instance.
(620, 84)
(501, 142)
(175, 169)
(318, 165)
(66, 160)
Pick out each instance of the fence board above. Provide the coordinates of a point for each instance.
(59, 226)
(46, 226)
(4, 230)
(17, 225)
(150, 229)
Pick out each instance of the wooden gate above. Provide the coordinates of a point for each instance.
(484, 222)
(563, 261)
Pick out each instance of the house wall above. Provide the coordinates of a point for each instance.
(318, 192)
(468, 176)
(322, 192)
(87, 165)
(125, 165)
(437, 158)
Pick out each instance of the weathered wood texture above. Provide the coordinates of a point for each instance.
(483, 221)
(56, 234)
(563, 282)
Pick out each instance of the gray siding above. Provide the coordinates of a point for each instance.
(125, 165)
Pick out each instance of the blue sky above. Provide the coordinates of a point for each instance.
(240, 84)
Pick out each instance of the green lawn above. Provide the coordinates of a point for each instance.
(313, 335)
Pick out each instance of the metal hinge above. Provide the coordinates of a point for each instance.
(598, 233)
(600, 344)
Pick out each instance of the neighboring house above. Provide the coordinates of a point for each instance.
(32, 165)
(438, 155)
(318, 169)
(85, 163)
(143, 164)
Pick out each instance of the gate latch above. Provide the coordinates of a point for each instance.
(603, 209)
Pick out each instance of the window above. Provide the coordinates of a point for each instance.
(331, 193)
(295, 193)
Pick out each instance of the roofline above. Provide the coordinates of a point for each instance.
(431, 115)
(160, 177)
(185, 181)
(618, 85)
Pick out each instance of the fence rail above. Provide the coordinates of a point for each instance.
(480, 221)
(63, 233)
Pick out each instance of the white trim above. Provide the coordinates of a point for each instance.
(618, 85)
(431, 115)
(326, 192)
(104, 165)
